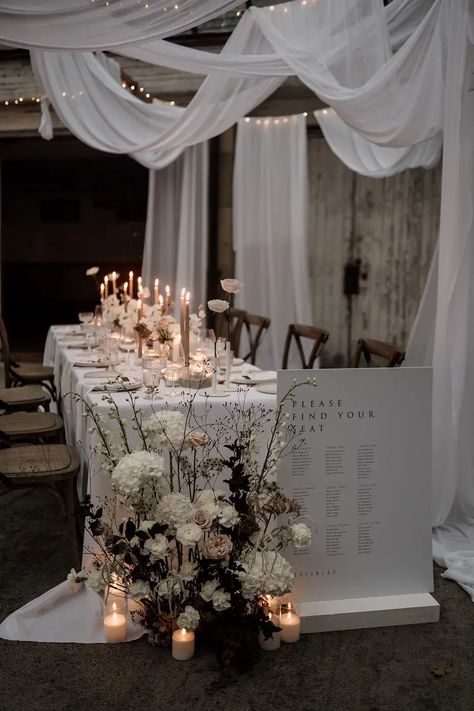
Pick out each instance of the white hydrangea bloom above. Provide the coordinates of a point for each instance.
(300, 535)
(174, 509)
(167, 428)
(208, 501)
(189, 619)
(139, 589)
(134, 470)
(265, 572)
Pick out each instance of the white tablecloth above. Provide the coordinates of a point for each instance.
(61, 614)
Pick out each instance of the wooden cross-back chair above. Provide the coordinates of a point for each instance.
(255, 327)
(24, 373)
(296, 332)
(53, 467)
(367, 347)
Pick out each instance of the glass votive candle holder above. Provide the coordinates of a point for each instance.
(115, 618)
(290, 622)
(271, 643)
(183, 644)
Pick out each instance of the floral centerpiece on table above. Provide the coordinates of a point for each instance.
(200, 544)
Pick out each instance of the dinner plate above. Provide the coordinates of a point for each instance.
(263, 376)
(267, 388)
(118, 386)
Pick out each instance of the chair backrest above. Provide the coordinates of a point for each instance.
(5, 352)
(367, 347)
(255, 336)
(236, 317)
(296, 332)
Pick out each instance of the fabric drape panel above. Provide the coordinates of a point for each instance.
(270, 226)
(176, 235)
(82, 25)
(366, 158)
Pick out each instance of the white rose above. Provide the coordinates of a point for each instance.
(217, 547)
(232, 286)
(301, 535)
(221, 600)
(158, 547)
(228, 516)
(189, 619)
(188, 533)
(208, 589)
(218, 305)
(139, 589)
(75, 578)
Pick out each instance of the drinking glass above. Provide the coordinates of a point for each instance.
(151, 375)
(85, 317)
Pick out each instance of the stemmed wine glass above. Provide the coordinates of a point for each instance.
(152, 368)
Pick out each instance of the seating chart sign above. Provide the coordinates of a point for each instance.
(360, 468)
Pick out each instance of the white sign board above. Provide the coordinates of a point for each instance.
(362, 474)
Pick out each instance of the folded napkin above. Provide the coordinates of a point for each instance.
(100, 374)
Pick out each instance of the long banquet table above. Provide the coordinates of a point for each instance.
(60, 353)
(63, 614)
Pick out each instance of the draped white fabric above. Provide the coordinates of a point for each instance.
(270, 226)
(367, 158)
(176, 237)
(83, 25)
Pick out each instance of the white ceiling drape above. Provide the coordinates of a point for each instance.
(78, 25)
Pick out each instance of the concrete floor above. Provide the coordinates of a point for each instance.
(422, 667)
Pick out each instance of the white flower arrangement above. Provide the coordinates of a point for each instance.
(195, 554)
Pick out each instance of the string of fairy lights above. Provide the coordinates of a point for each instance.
(136, 88)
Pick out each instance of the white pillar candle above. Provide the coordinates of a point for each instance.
(183, 644)
(273, 642)
(130, 279)
(176, 347)
(106, 283)
(115, 625)
(139, 287)
(125, 297)
(229, 357)
(102, 289)
(290, 624)
(156, 291)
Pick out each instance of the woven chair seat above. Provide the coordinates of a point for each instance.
(24, 423)
(49, 462)
(28, 394)
(32, 371)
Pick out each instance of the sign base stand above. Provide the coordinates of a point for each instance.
(365, 612)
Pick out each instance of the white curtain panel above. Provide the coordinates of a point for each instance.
(176, 236)
(83, 25)
(270, 226)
